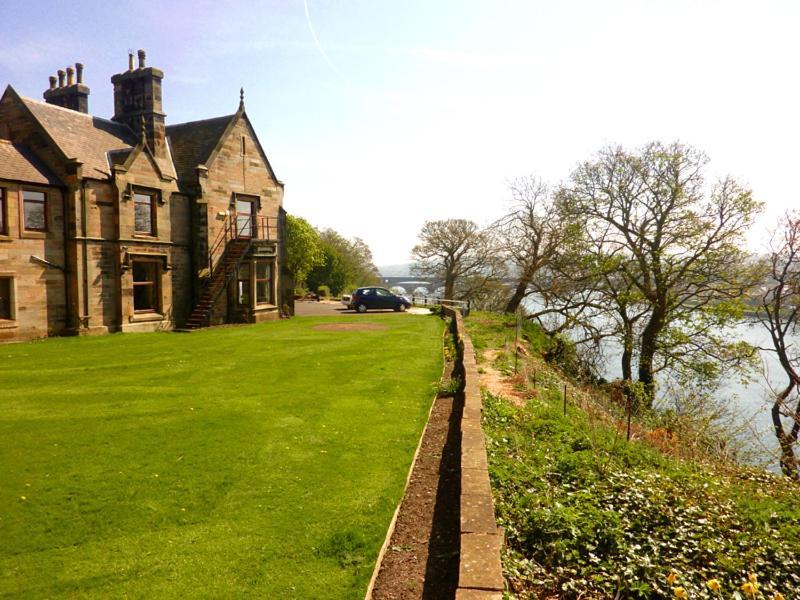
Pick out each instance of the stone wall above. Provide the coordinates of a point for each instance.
(38, 288)
(480, 575)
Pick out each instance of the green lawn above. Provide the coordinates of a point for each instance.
(256, 460)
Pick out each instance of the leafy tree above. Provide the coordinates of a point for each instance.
(675, 251)
(348, 263)
(331, 273)
(457, 252)
(304, 249)
(781, 317)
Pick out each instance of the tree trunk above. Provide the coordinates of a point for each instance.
(788, 460)
(627, 352)
(449, 286)
(516, 298)
(648, 353)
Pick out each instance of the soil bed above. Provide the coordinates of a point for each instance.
(421, 560)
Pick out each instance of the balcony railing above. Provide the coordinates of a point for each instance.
(241, 227)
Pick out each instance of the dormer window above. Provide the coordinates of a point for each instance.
(144, 213)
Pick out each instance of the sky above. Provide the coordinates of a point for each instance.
(379, 115)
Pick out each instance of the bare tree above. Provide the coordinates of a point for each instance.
(456, 251)
(676, 247)
(781, 303)
(530, 235)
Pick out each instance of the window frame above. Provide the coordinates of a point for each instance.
(156, 285)
(245, 279)
(44, 202)
(268, 280)
(153, 195)
(12, 316)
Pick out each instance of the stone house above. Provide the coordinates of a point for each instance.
(130, 224)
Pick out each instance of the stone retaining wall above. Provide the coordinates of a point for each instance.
(480, 575)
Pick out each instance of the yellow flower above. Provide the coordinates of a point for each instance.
(752, 578)
(673, 575)
(778, 596)
(750, 588)
(680, 592)
(713, 585)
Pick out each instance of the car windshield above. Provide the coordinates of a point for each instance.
(383, 292)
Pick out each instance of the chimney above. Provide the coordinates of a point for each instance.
(137, 99)
(74, 96)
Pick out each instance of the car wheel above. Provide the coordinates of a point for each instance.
(401, 308)
(362, 308)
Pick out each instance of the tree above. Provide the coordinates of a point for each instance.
(781, 304)
(456, 251)
(675, 248)
(348, 263)
(303, 248)
(531, 235)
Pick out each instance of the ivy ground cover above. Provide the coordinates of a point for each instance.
(260, 460)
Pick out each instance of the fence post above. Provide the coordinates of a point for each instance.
(516, 344)
(629, 416)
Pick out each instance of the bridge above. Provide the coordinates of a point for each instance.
(410, 282)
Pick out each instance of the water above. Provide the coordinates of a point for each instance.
(752, 400)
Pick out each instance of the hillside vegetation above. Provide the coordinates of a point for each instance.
(589, 515)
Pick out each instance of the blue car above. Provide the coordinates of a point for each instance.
(372, 298)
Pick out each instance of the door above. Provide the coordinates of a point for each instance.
(245, 213)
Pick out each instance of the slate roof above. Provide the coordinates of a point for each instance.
(193, 142)
(83, 137)
(18, 163)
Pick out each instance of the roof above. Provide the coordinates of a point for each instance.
(83, 137)
(192, 143)
(18, 163)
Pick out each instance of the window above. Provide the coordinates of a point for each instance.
(146, 286)
(35, 210)
(383, 292)
(3, 214)
(264, 283)
(144, 213)
(244, 284)
(5, 298)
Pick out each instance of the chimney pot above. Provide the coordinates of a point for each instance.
(60, 78)
(142, 56)
(70, 75)
(130, 61)
(53, 82)
(79, 72)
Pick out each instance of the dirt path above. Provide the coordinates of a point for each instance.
(422, 558)
(496, 383)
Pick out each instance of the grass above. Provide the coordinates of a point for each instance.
(257, 460)
(588, 515)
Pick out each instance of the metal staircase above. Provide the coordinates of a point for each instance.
(224, 258)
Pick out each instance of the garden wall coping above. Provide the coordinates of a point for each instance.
(480, 574)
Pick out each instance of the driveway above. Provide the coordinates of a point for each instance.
(329, 308)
